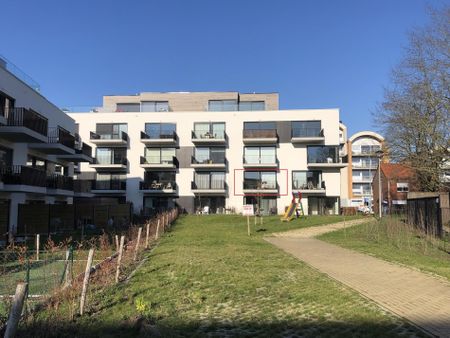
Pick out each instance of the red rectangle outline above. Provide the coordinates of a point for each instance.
(260, 169)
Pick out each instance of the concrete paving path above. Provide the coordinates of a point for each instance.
(415, 296)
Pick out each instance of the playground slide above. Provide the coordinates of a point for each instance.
(290, 213)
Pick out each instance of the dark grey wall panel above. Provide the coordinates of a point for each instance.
(187, 203)
(284, 131)
(184, 155)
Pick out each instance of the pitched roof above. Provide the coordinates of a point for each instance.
(396, 170)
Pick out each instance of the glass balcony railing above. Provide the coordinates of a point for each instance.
(210, 160)
(159, 160)
(157, 185)
(114, 136)
(306, 132)
(110, 161)
(208, 185)
(158, 135)
(208, 135)
(260, 133)
(260, 159)
(259, 185)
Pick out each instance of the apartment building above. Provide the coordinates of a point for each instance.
(362, 148)
(38, 148)
(213, 152)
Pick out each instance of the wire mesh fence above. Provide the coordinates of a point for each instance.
(56, 273)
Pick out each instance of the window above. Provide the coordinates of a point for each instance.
(402, 187)
(6, 103)
(306, 128)
(260, 155)
(323, 154)
(110, 182)
(110, 155)
(252, 105)
(260, 126)
(260, 180)
(160, 130)
(128, 107)
(203, 155)
(222, 105)
(159, 155)
(36, 162)
(111, 130)
(154, 106)
(266, 205)
(307, 180)
(209, 130)
(159, 177)
(213, 180)
(5, 157)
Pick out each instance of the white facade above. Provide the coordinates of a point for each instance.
(37, 142)
(291, 154)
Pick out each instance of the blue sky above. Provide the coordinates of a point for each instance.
(316, 53)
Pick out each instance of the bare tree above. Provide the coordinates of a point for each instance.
(414, 115)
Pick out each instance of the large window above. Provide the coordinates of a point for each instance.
(252, 105)
(159, 155)
(110, 155)
(128, 107)
(323, 154)
(260, 125)
(160, 130)
(260, 180)
(222, 105)
(110, 182)
(307, 180)
(154, 106)
(265, 205)
(260, 155)
(402, 187)
(213, 154)
(211, 180)
(111, 130)
(215, 130)
(306, 128)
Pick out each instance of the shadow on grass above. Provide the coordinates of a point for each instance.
(139, 327)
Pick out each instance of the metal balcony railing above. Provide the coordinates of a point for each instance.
(157, 185)
(22, 117)
(82, 186)
(109, 185)
(55, 181)
(23, 175)
(159, 135)
(211, 160)
(114, 136)
(62, 136)
(84, 149)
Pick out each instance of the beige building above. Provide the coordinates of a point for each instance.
(212, 152)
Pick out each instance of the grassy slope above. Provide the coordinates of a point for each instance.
(208, 277)
(395, 243)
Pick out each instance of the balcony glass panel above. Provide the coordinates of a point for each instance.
(154, 106)
(307, 180)
(252, 105)
(222, 105)
(323, 154)
(306, 128)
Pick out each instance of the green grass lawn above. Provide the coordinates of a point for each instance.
(394, 241)
(208, 278)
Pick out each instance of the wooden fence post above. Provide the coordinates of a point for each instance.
(136, 249)
(68, 268)
(157, 230)
(147, 235)
(16, 310)
(37, 246)
(119, 259)
(117, 243)
(87, 274)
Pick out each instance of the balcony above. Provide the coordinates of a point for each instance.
(24, 125)
(83, 152)
(368, 166)
(156, 162)
(114, 164)
(109, 187)
(159, 138)
(256, 161)
(309, 188)
(156, 188)
(362, 192)
(82, 188)
(307, 135)
(260, 136)
(17, 178)
(209, 188)
(119, 140)
(260, 187)
(327, 164)
(60, 142)
(366, 151)
(362, 179)
(59, 185)
(215, 162)
(207, 137)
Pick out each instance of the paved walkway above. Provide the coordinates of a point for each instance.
(420, 298)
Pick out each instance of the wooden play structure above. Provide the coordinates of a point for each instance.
(295, 209)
